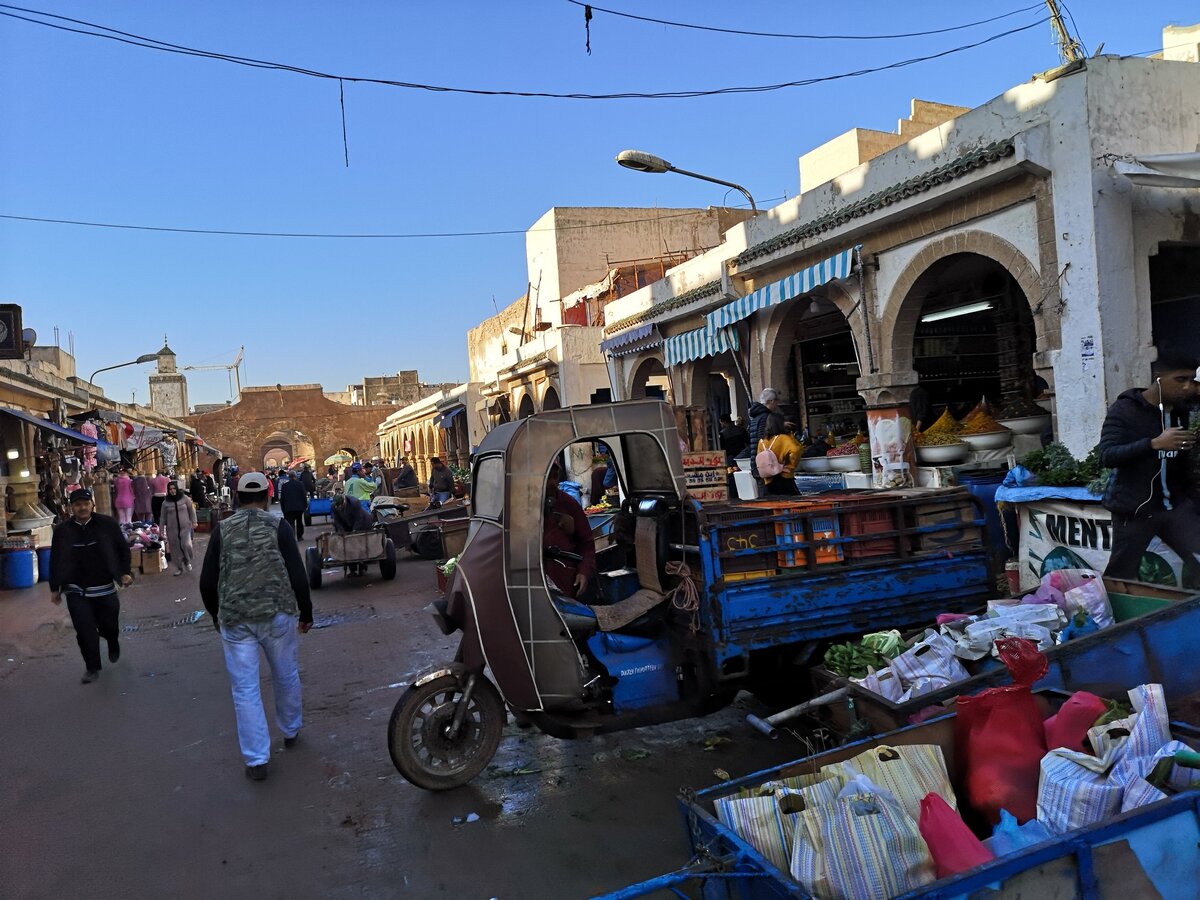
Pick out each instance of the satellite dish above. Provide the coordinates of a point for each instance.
(29, 336)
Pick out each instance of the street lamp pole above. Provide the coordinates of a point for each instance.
(144, 358)
(640, 161)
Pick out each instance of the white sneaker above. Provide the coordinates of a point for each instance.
(189, 566)
(177, 572)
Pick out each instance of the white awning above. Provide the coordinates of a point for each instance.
(796, 284)
(636, 333)
(1167, 170)
(697, 344)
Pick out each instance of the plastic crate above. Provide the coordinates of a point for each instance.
(956, 525)
(824, 528)
(750, 575)
(732, 536)
(816, 484)
(859, 522)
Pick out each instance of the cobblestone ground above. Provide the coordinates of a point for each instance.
(133, 786)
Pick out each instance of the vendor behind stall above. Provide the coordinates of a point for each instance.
(1153, 490)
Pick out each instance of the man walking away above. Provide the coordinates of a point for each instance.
(87, 554)
(734, 438)
(1153, 490)
(308, 479)
(768, 402)
(254, 586)
(293, 503)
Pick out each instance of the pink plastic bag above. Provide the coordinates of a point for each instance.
(1069, 726)
(953, 847)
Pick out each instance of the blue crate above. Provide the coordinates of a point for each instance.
(815, 484)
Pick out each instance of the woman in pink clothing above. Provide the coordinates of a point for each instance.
(123, 502)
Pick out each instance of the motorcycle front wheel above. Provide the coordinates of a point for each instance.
(417, 733)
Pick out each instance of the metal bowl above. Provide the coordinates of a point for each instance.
(815, 464)
(940, 454)
(991, 440)
(1026, 424)
(844, 463)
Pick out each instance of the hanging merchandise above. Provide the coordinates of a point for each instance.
(169, 454)
(141, 437)
(89, 453)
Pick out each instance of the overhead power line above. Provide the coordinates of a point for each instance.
(804, 37)
(346, 235)
(165, 47)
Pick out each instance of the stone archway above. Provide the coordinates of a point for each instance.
(281, 446)
(902, 312)
(649, 373)
(550, 399)
(525, 407)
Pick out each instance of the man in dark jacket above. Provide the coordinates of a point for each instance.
(87, 555)
(293, 503)
(405, 478)
(308, 479)
(734, 438)
(1152, 491)
(768, 402)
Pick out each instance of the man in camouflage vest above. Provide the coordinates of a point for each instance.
(254, 586)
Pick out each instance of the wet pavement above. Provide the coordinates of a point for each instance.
(133, 786)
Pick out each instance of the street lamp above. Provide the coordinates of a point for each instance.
(640, 161)
(144, 358)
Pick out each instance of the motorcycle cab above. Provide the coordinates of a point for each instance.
(630, 656)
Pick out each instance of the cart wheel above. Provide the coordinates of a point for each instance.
(387, 565)
(417, 742)
(308, 520)
(312, 562)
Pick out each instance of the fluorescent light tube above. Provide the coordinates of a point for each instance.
(957, 311)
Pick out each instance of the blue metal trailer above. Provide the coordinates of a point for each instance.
(1153, 851)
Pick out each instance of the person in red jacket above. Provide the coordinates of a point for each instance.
(565, 527)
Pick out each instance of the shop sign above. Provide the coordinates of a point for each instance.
(705, 475)
(1057, 534)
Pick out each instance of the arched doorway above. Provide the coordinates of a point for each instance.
(717, 388)
(973, 337)
(550, 400)
(650, 380)
(281, 448)
(812, 362)
(525, 407)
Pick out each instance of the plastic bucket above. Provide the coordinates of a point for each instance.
(20, 569)
(43, 563)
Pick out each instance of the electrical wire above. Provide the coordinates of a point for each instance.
(308, 234)
(165, 47)
(804, 37)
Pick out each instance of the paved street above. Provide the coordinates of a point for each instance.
(133, 786)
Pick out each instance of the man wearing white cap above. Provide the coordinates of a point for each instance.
(254, 585)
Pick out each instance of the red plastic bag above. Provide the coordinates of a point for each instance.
(1000, 740)
(953, 847)
(1069, 726)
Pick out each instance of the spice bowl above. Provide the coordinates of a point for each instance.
(815, 464)
(940, 454)
(844, 463)
(989, 440)
(1026, 424)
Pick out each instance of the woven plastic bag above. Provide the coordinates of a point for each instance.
(1075, 791)
(999, 738)
(931, 661)
(761, 823)
(862, 847)
(951, 844)
(908, 773)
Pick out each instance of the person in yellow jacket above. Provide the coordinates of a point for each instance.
(787, 450)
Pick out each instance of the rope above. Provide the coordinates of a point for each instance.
(684, 596)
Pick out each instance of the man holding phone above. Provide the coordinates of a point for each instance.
(1153, 491)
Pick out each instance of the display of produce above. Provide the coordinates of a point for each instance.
(1021, 409)
(932, 438)
(850, 448)
(1054, 466)
(945, 424)
(852, 660)
(982, 408)
(982, 423)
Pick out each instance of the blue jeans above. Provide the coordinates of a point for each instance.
(440, 496)
(278, 639)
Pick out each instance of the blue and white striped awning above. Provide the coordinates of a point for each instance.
(625, 337)
(795, 285)
(697, 344)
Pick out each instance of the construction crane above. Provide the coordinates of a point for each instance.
(233, 371)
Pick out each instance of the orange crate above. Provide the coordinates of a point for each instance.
(824, 527)
(869, 521)
(751, 575)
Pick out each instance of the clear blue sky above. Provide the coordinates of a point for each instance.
(95, 130)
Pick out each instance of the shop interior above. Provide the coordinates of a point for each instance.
(823, 369)
(1175, 296)
(975, 338)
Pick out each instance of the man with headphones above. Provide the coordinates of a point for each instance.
(1153, 491)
